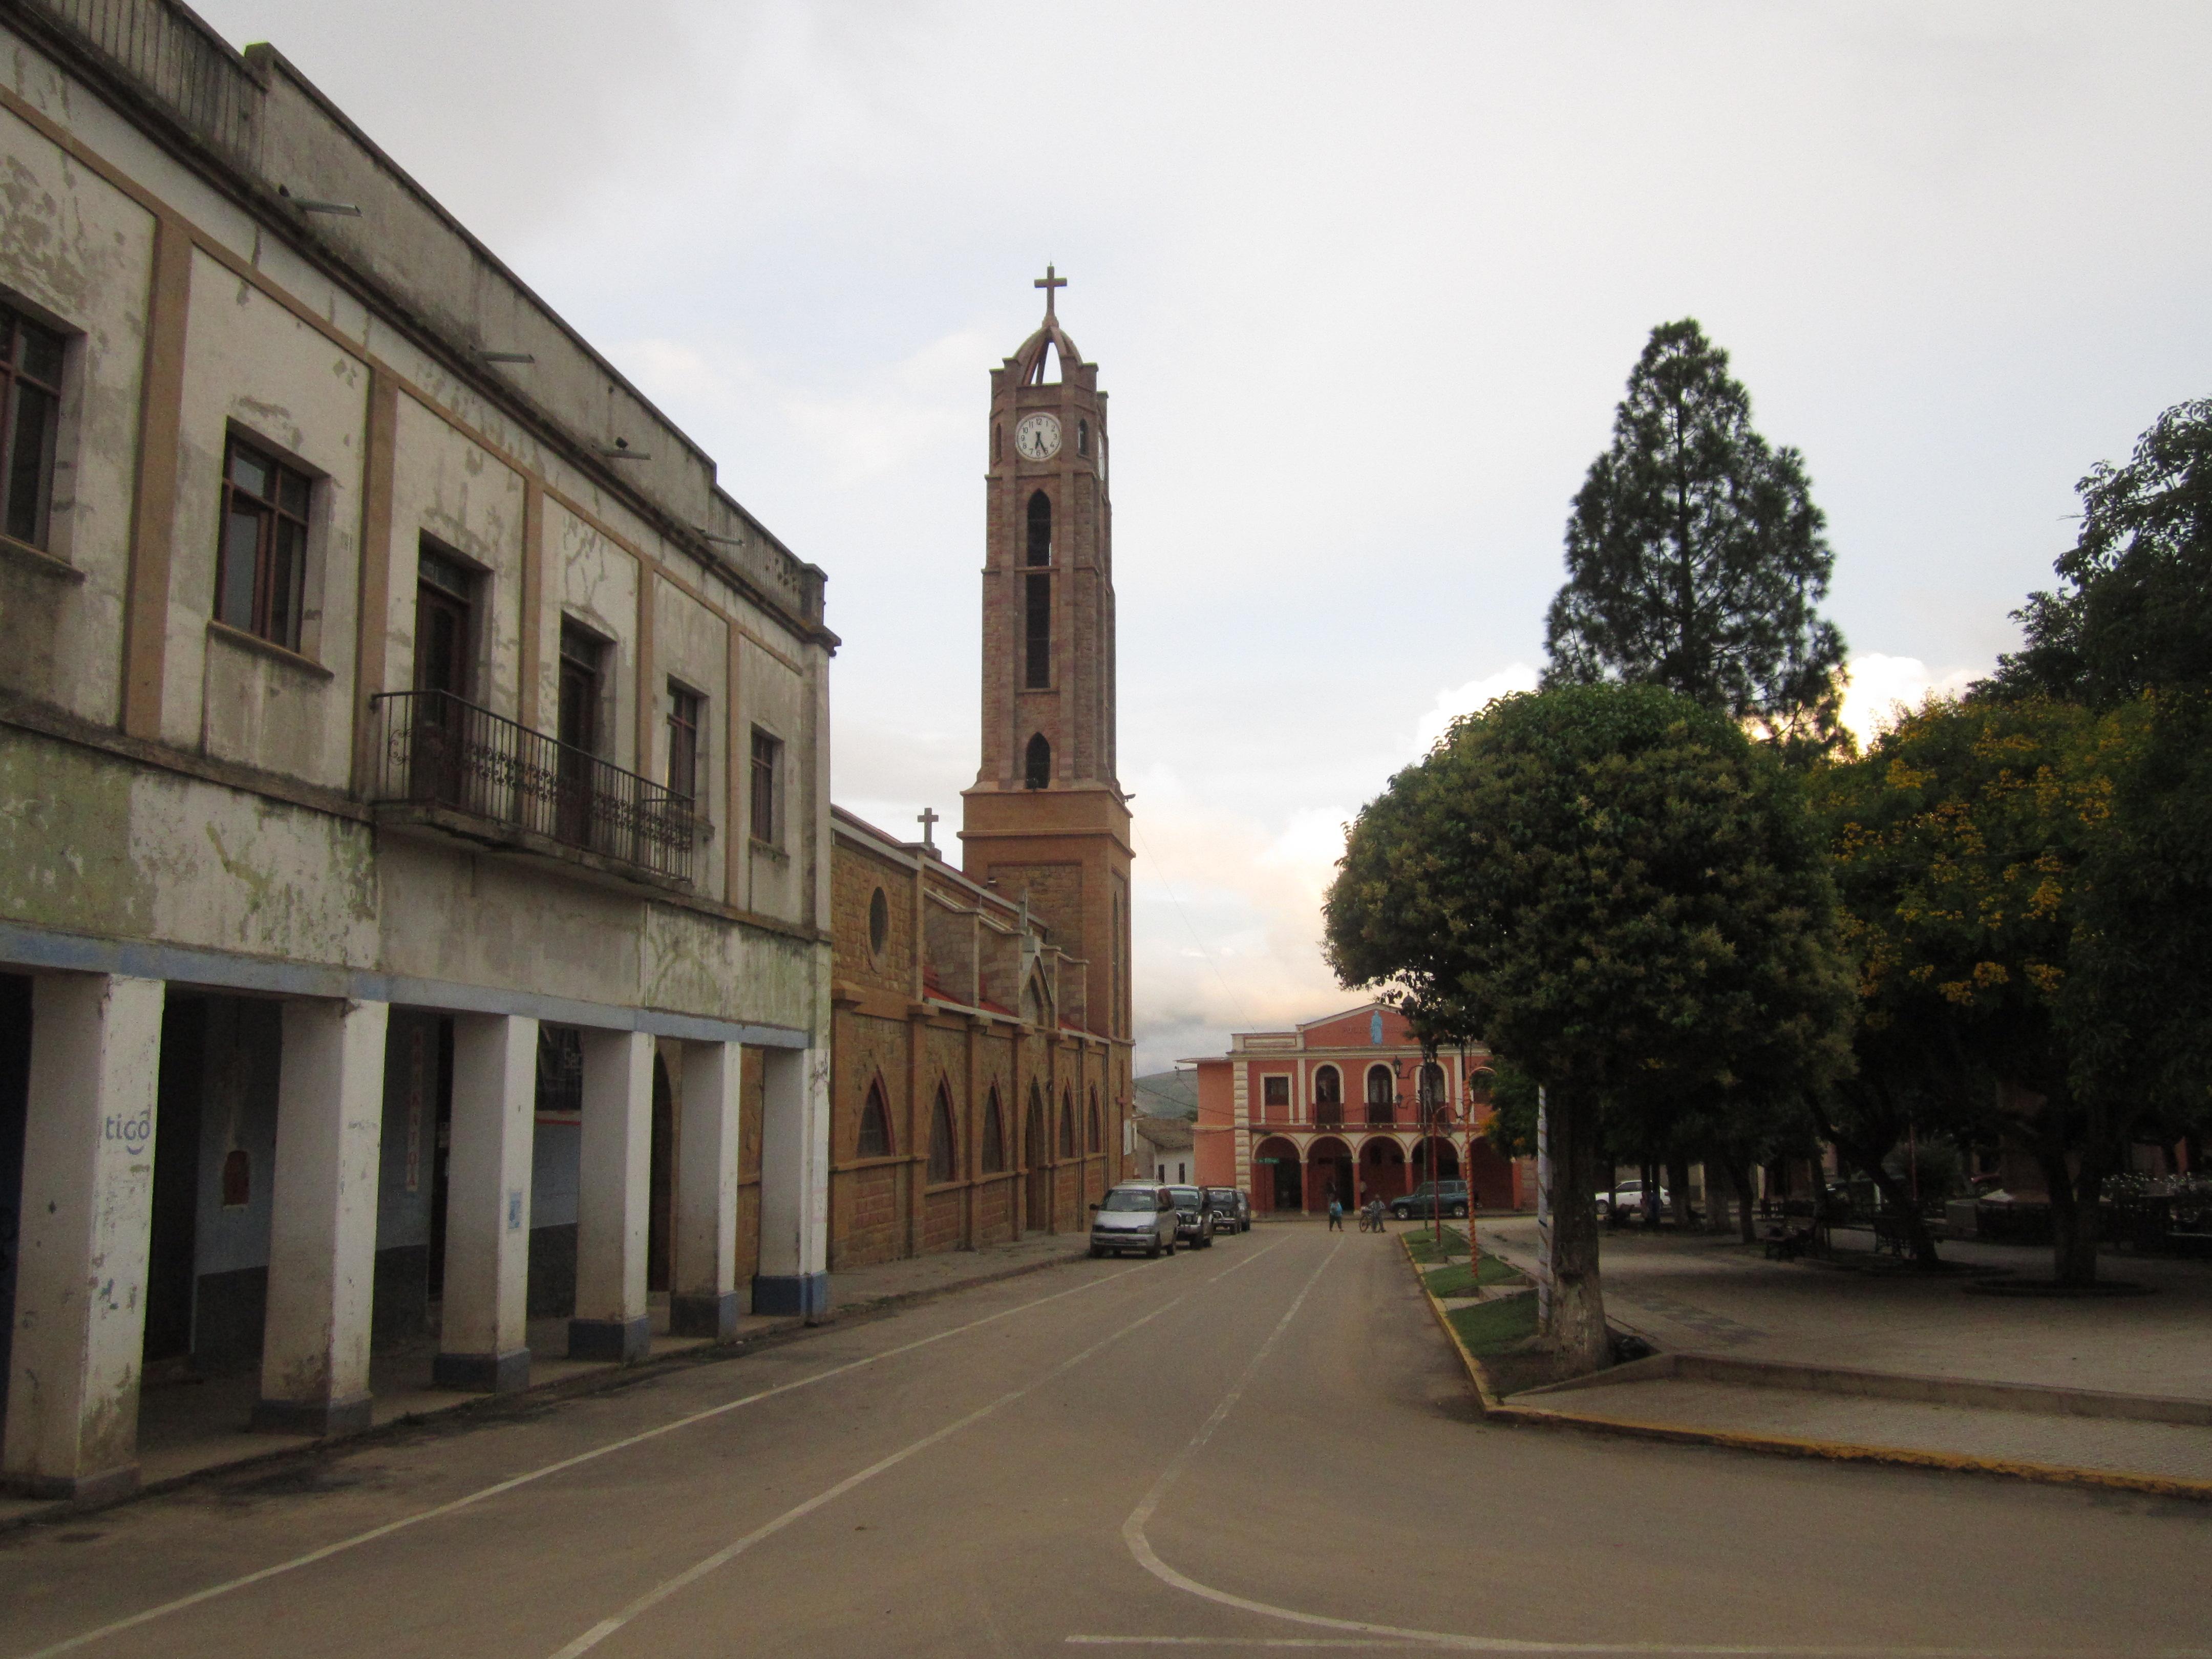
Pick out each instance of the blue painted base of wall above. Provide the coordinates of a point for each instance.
(702, 1314)
(805, 1294)
(622, 1341)
(322, 1417)
(481, 1373)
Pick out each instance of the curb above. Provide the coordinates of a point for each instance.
(1496, 1410)
(468, 1408)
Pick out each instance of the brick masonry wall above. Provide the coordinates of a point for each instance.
(940, 1228)
(867, 1200)
(855, 877)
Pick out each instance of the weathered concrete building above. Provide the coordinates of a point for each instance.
(414, 828)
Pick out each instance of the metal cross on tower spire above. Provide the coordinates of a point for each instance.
(1048, 283)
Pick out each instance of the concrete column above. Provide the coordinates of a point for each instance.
(611, 1321)
(87, 1207)
(483, 1343)
(703, 1297)
(794, 1244)
(322, 1227)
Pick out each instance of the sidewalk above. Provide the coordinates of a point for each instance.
(1884, 1365)
(189, 1429)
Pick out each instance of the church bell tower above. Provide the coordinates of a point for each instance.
(1047, 820)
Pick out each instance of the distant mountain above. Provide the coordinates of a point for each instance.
(1167, 1094)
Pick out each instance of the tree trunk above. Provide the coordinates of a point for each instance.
(1739, 1171)
(1678, 1186)
(1648, 1201)
(2073, 1234)
(1896, 1196)
(1575, 1325)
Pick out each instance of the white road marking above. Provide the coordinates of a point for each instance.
(1132, 1534)
(729, 1553)
(498, 1488)
(1238, 1642)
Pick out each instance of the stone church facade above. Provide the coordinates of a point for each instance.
(981, 1055)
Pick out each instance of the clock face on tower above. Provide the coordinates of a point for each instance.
(1038, 437)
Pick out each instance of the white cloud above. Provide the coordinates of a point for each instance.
(1469, 699)
(1878, 687)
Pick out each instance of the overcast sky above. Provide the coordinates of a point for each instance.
(1365, 281)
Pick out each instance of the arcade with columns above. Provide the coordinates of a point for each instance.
(1347, 1106)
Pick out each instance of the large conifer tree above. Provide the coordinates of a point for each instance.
(1695, 555)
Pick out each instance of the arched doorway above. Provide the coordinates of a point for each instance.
(1381, 1168)
(1490, 1178)
(1034, 1148)
(1328, 1170)
(1277, 1178)
(1382, 1094)
(1447, 1159)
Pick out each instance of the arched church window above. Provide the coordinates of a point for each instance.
(1480, 1085)
(1098, 1142)
(879, 922)
(994, 1137)
(1040, 538)
(1067, 1126)
(875, 1124)
(1036, 762)
(1033, 1147)
(1082, 437)
(944, 1141)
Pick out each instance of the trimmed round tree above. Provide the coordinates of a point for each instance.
(1623, 893)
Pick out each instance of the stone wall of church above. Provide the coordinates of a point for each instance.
(855, 878)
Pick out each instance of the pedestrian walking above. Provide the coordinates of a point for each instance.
(1335, 1213)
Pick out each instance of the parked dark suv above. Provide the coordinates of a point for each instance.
(1193, 1219)
(1431, 1196)
(1232, 1211)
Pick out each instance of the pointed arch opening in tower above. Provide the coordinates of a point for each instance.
(1037, 632)
(1040, 537)
(1046, 371)
(1036, 762)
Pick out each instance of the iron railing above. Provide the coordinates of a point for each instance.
(436, 750)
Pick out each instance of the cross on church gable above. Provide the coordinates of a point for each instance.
(1049, 281)
(928, 820)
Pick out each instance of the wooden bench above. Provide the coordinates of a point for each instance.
(1891, 1234)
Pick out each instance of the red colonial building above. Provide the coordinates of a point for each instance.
(1336, 1106)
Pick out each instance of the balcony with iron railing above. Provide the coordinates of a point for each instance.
(462, 768)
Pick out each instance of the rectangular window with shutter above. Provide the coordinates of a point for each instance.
(30, 420)
(261, 562)
(686, 719)
(767, 787)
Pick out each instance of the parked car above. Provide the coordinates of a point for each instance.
(1193, 1217)
(1430, 1197)
(1232, 1211)
(1134, 1217)
(1629, 1195)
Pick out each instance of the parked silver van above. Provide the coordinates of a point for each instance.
(1133, 1217)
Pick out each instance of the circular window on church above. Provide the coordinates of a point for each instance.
(880, 921)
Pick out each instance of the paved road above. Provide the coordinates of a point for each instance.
(1256, 1446)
